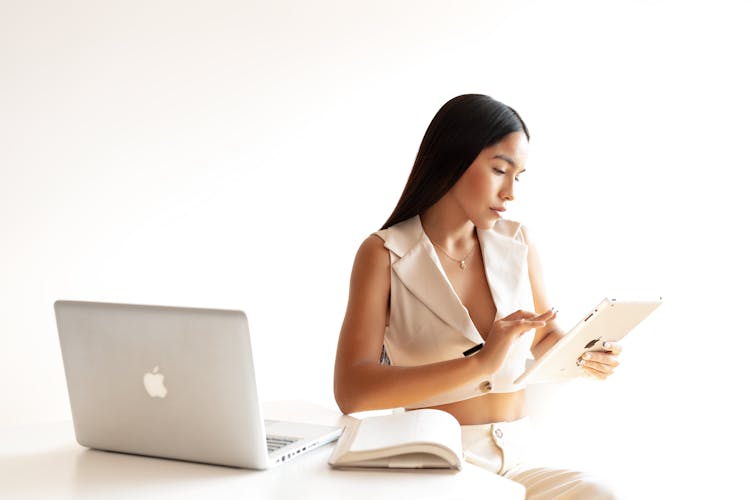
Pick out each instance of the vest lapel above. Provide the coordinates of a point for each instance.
(420, 271)
(505, 266)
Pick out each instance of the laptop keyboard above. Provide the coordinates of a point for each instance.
(273, 443)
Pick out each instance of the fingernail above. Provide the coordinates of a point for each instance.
(606, 345)
(587, 356)
(579, 362)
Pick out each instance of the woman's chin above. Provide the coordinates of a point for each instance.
(486, 223)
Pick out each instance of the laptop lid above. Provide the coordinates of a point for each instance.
(169, 382)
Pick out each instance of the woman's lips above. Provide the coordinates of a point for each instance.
(498, 210)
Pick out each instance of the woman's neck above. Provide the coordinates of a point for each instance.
(448, 226)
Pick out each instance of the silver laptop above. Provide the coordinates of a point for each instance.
(173, 383)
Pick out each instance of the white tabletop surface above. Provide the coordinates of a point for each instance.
(44, 461)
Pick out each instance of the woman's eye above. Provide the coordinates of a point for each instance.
(502, 172)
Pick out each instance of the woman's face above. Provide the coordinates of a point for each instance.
(486, 187)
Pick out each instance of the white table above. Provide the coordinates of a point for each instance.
(44, 461)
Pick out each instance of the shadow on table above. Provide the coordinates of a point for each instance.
(75, 471)
(97, 471)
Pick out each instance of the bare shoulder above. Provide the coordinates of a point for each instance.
(372, 252)
(372, 266)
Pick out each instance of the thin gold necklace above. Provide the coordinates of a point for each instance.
(461, 262)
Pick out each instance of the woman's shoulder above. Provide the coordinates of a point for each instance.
(375, 244)
(372, 265)
(372, 251)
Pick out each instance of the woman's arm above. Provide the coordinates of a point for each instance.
(547, 336)
(597, 364)
(362, 383)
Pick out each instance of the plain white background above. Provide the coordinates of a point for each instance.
(235, 154)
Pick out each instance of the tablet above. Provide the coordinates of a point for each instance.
(610, 320)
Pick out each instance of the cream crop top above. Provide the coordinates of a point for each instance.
(428, 323)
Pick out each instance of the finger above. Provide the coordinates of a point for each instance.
(601, 357)
(549, 313)
(527, 324)
(596, 368)
(593, 374)
(519, 314)
(521, 325)
(532, 323)
(612, 347)
(520, 318)
(548, 316)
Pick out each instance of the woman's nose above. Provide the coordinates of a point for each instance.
(506, 191)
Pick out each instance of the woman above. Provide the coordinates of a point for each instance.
(446, 274)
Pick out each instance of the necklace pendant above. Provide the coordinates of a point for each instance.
(462, 264)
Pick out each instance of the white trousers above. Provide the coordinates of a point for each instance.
(503, 447)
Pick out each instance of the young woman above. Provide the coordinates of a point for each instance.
(446, 273)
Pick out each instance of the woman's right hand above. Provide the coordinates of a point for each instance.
(505, 331)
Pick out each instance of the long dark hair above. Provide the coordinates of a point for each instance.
(460, 130)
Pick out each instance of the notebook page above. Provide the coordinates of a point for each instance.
(393, 430)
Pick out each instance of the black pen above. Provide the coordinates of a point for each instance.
(469, 352)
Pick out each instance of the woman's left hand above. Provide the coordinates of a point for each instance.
(601, 364)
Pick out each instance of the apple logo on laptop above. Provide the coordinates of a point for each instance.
(154, 383)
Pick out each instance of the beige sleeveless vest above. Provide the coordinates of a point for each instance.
(427, 321)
